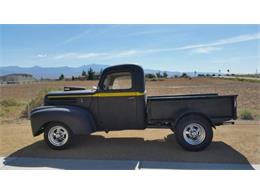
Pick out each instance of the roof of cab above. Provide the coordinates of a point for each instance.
(123, 67)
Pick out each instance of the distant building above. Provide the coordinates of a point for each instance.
(17, 79)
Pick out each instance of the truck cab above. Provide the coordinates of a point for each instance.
(121, 98)
(120, 103)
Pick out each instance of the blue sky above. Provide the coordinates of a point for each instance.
(164, 47)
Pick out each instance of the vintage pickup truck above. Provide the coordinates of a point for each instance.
(119, 102)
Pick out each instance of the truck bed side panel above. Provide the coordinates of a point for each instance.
(169, 108)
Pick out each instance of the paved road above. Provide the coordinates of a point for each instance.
(12, 163)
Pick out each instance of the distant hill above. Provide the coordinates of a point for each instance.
(50, 72)
(54, 72)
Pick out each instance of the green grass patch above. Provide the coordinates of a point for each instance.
(246, 115)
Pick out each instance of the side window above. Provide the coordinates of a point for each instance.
(119, 80)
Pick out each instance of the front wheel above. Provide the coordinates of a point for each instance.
(194, 133)
(57, 136)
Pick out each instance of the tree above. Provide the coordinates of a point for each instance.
(165, 75)
(61, 77)
(84, 74)
(91, 74)
(228, 71)
(150, 76)
(98, 75)
(73, 78)
(184, 75)
(158, 74)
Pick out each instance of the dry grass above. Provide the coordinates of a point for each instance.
(248, 92)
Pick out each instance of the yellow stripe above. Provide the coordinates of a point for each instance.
(115, 94)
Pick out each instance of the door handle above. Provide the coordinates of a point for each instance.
(131, 98)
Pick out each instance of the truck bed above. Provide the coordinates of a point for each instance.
(167, 108)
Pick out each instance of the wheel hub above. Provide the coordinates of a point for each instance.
(194, 134)
(58, 135)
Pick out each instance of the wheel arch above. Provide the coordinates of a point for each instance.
(186, 113)
(79, 120)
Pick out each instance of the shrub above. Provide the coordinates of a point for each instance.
(9, 108)
(246, 115)
(156, 79)
(184, 75)
(150, 76)
(9, 102)
(35, 102)
(61, 77)
(165, 75)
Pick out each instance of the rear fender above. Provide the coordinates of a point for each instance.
(184, 113)
(79, 120)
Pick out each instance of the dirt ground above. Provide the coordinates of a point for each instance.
(239, 143)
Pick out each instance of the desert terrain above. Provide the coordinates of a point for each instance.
(237, 143)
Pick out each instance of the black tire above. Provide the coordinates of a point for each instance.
(194, 122)
(50, 140)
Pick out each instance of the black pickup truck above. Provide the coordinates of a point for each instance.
(120, 103)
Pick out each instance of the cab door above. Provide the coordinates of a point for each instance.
(117, 102)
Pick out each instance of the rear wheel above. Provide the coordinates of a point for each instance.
(57, 136)
(194, 132)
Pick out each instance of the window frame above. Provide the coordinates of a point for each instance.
(116, 90)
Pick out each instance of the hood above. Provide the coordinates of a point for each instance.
(73, 92)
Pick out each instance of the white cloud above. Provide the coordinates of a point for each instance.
(76, 37)
(227, 41)
(205, 49)
(90, 55)
(119, 54)
(42, 55)
(144, 33)
(126, 53)
(196, 48)
(65, 55)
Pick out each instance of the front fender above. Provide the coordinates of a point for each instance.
(79, 120)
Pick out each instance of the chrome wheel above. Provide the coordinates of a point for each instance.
(194, 134)
(58, 135)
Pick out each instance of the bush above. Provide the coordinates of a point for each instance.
(9, 102)
(184, 75)
(156, 79)
(9, 107)
(35, 102)
(246, 115)
(150, 76)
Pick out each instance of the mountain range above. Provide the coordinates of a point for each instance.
(54, 72)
